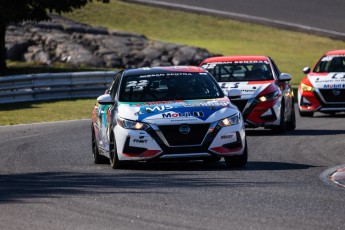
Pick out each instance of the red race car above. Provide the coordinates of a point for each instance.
(323, 89)
(267, 98)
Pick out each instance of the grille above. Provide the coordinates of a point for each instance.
(330, 97)
(240, 104)
(175, 138)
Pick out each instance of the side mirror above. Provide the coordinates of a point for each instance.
(105, 99)
(285, 77)
(306, 70)
(234, 94)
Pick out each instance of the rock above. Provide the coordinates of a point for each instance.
(78, 44)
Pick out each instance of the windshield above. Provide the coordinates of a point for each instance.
(331, 64)
(237, 71)
(169, 86)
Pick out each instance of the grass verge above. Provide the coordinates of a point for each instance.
(25, 113)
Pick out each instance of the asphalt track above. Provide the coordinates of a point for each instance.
(323, 17)
(48, 181)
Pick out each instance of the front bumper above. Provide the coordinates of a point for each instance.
(321, 100)
(262, 114)
(153, 144)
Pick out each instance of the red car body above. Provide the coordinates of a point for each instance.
(267, 98)
(323, 88)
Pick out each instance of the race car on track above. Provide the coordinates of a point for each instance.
(267, 98)
(165, 113)
(323, 88)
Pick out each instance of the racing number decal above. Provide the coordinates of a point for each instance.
(235, 85)
(137, 84)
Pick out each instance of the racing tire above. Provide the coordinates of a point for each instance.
(305, 114)
(98, 158)
(282, 127)
(115, 163)
(237, 161)
(291, 125)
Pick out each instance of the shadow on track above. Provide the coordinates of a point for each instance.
(18, 188)
(297, 132)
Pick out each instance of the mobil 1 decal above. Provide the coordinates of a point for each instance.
(181, 110)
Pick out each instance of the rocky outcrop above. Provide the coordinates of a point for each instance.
(76, 44)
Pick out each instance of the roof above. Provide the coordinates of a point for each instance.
(235, 58)
(335, 52)
(164, 69)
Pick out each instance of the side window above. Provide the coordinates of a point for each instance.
(115, 85)
(275, 68)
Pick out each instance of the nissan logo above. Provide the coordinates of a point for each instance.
(184, 129)
(336, 92)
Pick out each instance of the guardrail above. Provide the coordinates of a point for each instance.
(52, 86)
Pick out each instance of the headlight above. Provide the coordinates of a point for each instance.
(127, 124)
(269, 97)
(232, 120)
(307, 88)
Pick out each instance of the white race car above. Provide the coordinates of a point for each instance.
(167, 113)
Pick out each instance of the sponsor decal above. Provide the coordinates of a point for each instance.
(141, 141)
(183, 114)
(211, 65)
(207, 104)
(151, 103)
(329, 58)
(334, 86)
(155, 109)
(200, 109)
(164, 75)
(229, 136)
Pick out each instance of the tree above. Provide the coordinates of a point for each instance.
(17, 11)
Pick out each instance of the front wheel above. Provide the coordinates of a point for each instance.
(237, 161)
(114, 159)
(291, 125)
(282, 127)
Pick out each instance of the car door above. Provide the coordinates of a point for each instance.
(286, 91)
(105, 114)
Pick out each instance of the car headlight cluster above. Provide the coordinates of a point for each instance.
(307, 88)
(269, 97)
(232, 120)
(128, 124)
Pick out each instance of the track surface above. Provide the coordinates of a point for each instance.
(48, 181)
(317, 16)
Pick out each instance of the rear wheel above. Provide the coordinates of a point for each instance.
(98, 158)
(114, 159)
(237, 161)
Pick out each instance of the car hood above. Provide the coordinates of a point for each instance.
(178, 112)
(327, 80)
(249, 89)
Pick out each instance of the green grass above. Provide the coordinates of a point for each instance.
(25, 113)
(291, 50)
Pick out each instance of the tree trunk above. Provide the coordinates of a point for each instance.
(3, 65)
